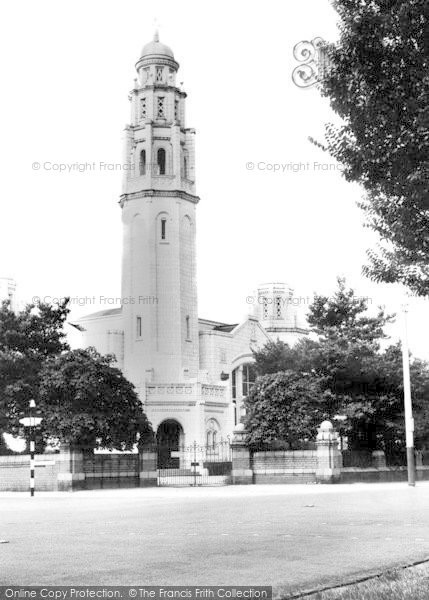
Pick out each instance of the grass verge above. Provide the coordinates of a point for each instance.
(399, 584)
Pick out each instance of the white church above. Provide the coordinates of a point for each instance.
(192, 374)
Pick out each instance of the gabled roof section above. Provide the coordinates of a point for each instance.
(209, 325)
(226, 328)
(250, 319)
(110, 312)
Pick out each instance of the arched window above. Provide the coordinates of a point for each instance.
(212, 434)
(142, 163)
(161, 161)
(185, 167)
(163, 229)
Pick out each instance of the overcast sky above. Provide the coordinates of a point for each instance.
(67, 70)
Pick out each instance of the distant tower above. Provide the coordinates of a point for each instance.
(158, 214)
(280, 312)
(8, 292)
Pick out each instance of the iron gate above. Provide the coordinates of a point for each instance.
(110, 470)
(196, 465)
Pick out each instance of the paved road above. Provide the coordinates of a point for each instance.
(287, 536)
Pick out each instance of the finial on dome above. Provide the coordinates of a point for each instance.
(155, 50)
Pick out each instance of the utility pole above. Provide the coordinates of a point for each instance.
(409, 421)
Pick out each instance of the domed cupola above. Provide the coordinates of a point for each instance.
(155, 47)
(155, 54)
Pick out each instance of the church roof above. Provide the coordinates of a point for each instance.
(110, 312)
(207, 324)
(204, 324)
(227, 328)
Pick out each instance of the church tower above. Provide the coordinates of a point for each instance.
(280, 312)
(158, 204)
(191, 374)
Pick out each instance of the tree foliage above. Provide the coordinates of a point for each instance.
(284, 406)
(27, 339)
(357, 378)
(274, 357)
(378, 83)
(87, 402)
(81, 396)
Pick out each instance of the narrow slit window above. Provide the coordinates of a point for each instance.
(161, 161)
(163, 229)
(139, 327)
(188, 329)
(142, 163)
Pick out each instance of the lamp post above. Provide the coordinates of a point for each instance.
(409, 421)
(31, 422)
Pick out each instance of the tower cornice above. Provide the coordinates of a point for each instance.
(157, 59)
(168, 124)
(158, 194)
(160, 86)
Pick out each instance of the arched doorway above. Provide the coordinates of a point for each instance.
(168, 439)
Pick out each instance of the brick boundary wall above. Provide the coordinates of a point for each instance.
(73, 470)
(284, 466)
(68, 471)
(323, 465)
(381, 474)
(15, 473)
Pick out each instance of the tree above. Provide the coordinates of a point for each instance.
(87, 402)
(27, 339)
(344, 315)
(357, 378)
(274, 357)
(285, 406)
(378, 83)
(81, 396)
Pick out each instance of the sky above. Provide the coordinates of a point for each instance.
(67, 70)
